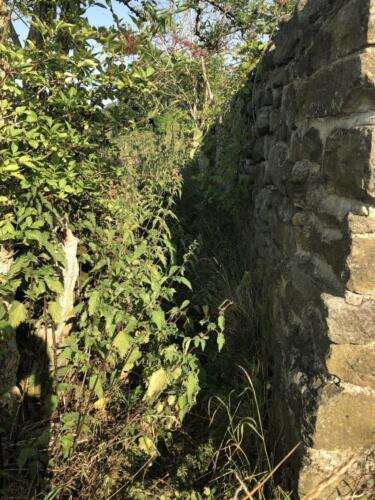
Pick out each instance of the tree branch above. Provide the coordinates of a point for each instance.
(133, 10)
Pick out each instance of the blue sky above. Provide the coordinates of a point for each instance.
(97, 17)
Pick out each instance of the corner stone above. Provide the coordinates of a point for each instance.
(361, 264)
(350, 324)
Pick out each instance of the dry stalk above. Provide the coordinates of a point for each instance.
(316, 493)
(249, 495)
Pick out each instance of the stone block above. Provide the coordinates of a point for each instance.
(321, 469)
(346, 86)
(257, 152)
(348, 161)
(345, 419)
(275, 120)
(361, 265)
(348, 31)
(307, 146)
(354, 364)
(309, 11)
(279, 165)
(316, 56)
(349, 321)
(321, 237)
(301, 171)
(362, 225)
(289, 105)
(353, 28)
(336, 206)
(263, 120)
(277, 94)
(286, 41)
(308, 276)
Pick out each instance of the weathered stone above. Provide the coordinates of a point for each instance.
(309, 11)
(337, 206)
(353, 363)
(353, 298)
(267, 97)
(322, 237)
(277, 94)
(353, 28)
(347, 161)
(345, 419)
(263, 120)
(361, 264)
(339, 36)
(289, 105)
(279, 165)
(346, 86)
(337, 474)
(310, 275)
(278, 78)
(350, 324)
(275, 120)
(286, 41)
(309, 146)
(362, 225)
(317, 55)
(267, 144)
(258, 150)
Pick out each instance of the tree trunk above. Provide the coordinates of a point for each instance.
(54, 337)
(70, 273)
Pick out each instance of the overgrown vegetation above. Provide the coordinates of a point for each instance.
(114, 248)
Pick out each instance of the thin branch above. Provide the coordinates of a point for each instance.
(133, 10)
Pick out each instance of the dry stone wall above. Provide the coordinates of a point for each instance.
(311, 165)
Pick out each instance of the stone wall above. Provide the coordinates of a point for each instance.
(310, 160)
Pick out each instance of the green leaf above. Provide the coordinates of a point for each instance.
(158, 318)
(17, 313)
(147, 445)
(55, 311)
(133, 358)
(31, 116)
(95, 382)
(122, 343)
(149, 71)
(158, 381)
(220, 341)
(192, 387)
(93, 301)
(54, 285)
(184, 281)
(66, 443)
(221, 322)
(185, 304)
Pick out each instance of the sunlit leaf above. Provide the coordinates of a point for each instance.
(158, 381)
(17, 313)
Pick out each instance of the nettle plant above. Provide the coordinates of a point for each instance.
(93, 272)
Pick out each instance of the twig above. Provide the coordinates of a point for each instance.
(240, 488)
(250, 495)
